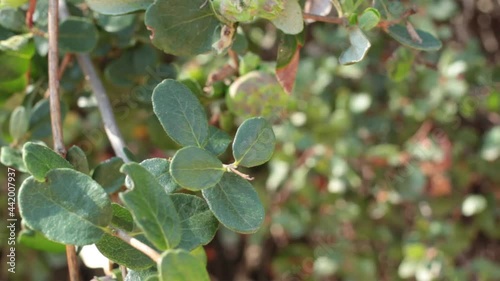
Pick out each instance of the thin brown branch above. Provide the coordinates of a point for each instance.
(327, 19)
(232, 168)
(29, 13)
(55, 106)
(384, 24)
(62, 69)
(145, 249)
(55, 113)
(73, 266)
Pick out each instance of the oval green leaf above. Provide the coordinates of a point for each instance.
(77, 35)
(358, 49)
(369, 19)
(108, 175)
(180, 265)
(195, 168)
(290, 19)
(19, 121)
(151, 208)
(78, 159)
(122, 218)
(69, 207)
(197, 221)
(122, 253)
(13, 158)
(39, 160)
(180, 113)
(400, 33)
(118, 7)
(254, 143)
(15, 55)
(235, 204)
(181, 27)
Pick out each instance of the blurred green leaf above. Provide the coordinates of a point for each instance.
(358, 49)
(108, 175)
(77, 35)
(118, 7)
(36, 240)
(369, 19)
(78, 159)
(179, 265)
(401, 34)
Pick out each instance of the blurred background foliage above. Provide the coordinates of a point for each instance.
(387, 169)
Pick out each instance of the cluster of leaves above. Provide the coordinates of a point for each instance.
(66, 204)
(383, 168)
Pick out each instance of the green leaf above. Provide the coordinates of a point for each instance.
(15, 55)
(199, 253)
(400, 64)
(254, 143)
(287, 61)
(140, 275)
(78, 159)
(19, 121)
(181, 27)
(115, 23)
(195, 168)
(69, 207)
(179, 265)
(108, 175)
(400, 33)
(36, 240)
(160, 169)
(132, 66)
(369, 19)
(197, 221)
(286, 50)
(122, 218)
(358, 49)
(118, 7)
(13, 158)
(40, 126)
(290, 19)
(122, 253)
(235, 204)
(151, 208)
(12, 19)
(218, 141)
(77, 35)
(15, 85)
(180, 113)
(39, 160)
